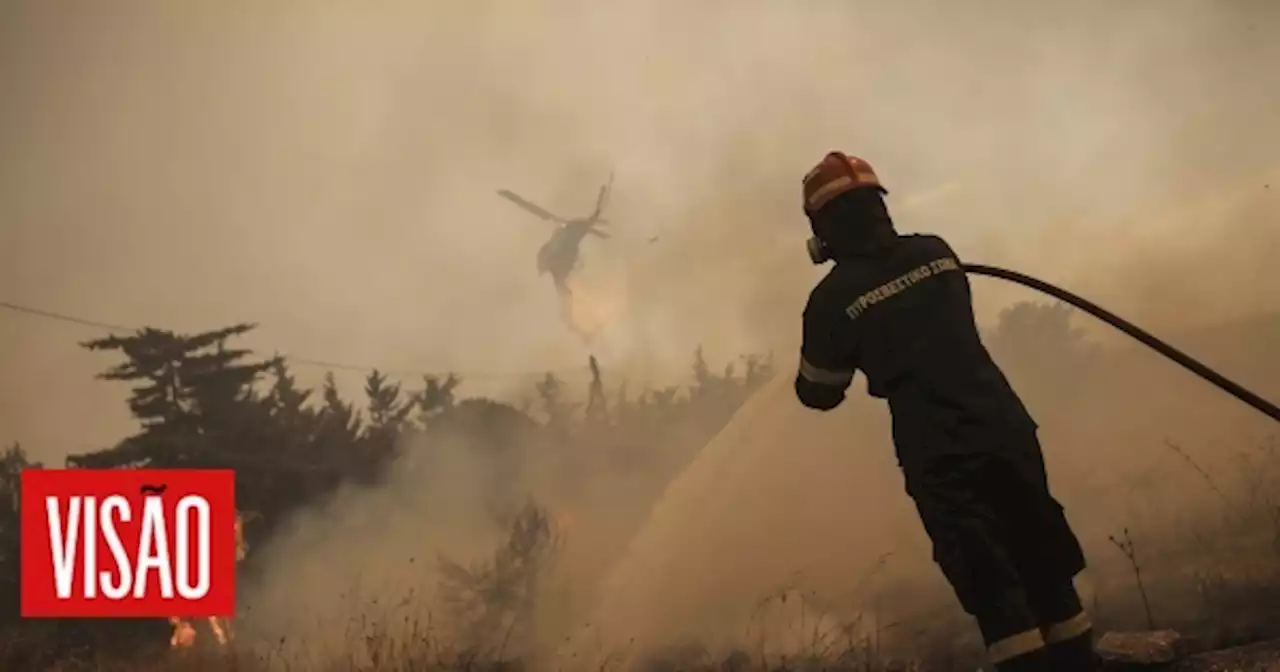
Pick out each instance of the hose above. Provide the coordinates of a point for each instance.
(1222, 382)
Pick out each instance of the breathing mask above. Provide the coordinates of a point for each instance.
(818, 252)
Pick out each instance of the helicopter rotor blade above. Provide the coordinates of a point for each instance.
(529, 207)
(603, 197)
(598, 234)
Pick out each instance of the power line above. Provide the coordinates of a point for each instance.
(64, 318)
(319, 363)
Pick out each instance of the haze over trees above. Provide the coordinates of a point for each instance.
(202, 402)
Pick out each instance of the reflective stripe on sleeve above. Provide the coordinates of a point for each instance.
(822, 376)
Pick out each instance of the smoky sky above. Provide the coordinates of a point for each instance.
(328, 169)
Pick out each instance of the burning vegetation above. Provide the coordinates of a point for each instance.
(201, 402)
(184, 631)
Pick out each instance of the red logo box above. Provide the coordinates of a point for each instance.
(147, 543)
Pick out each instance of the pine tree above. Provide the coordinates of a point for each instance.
(386, 409)
(436, 397)
(387, 414)
(285, 400)
(189, 388)
(339, 422)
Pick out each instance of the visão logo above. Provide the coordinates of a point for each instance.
(147, 543)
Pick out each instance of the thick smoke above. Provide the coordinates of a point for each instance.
(329, 171)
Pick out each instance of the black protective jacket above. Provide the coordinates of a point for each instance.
(905, 318)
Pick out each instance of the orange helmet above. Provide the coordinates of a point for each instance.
(834, 175)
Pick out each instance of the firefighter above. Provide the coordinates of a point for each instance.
(898, 308)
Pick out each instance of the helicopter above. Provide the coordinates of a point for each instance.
(559, 256)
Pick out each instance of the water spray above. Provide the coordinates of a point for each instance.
(1186, 361)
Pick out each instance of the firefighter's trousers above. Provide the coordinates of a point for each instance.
(1005, 546)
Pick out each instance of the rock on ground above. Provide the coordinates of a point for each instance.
(1168, 650)
(1155, 647)
(1261, 657)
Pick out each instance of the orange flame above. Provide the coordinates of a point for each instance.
(184, 632)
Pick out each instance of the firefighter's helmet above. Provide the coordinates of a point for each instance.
(836, 174)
